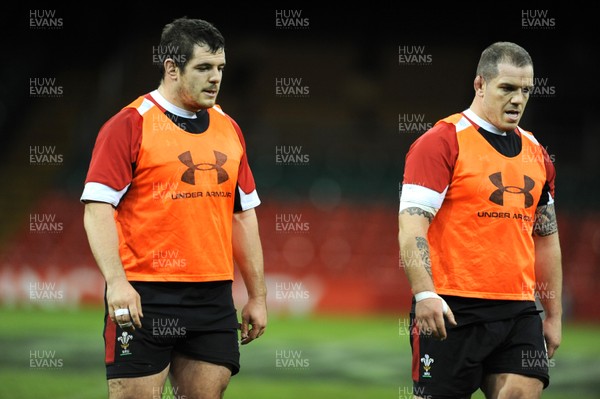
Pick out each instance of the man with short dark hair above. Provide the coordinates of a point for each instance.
(169, 206)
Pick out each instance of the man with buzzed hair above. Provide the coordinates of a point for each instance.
(478, 233)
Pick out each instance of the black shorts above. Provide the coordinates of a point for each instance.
(205, 328)
(455, 367)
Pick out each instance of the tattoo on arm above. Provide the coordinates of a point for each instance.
(423, 248)
(413, 210)
(545, 221)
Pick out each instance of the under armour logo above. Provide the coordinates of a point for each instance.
(189, 176)
(497, 196)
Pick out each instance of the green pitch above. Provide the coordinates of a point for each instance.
(58, 354)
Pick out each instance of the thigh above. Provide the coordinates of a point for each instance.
(522, 353)
(203, 363)
(508, 385)
(147, 387)
(193, 378)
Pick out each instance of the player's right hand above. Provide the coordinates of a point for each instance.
(125, 301)
(429, 315)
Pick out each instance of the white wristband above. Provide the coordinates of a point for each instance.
(430, 294)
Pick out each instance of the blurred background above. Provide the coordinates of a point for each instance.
(329, 99)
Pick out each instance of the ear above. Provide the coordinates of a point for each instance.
(171, 70)
(479, 85)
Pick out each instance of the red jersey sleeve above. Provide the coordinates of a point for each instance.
(548, 189)
(116, 149)
(550, 172)
(246, 196)
(245, 178)
(431, 158)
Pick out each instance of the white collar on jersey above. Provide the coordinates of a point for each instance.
(482, 123)
(174, 109)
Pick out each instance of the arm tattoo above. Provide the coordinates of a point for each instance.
(413, 210)
(423, 248)
(545, 221)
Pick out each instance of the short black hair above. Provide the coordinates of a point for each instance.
(179, 37)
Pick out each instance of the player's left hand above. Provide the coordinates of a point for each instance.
(552, 334)
(254, 320)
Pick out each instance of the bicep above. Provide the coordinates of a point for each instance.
(414, 221)
(98, 215)
(545, 223)
(245, 224)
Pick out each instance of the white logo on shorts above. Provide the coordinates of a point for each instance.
(427, 361)
(124, 339)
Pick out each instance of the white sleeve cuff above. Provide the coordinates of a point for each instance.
(421, 197)
(248, 201)
(99, 192)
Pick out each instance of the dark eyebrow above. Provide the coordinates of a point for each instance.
(512, 85)
(208, 65)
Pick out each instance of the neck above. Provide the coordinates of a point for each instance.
(170, 105)
(169, 96)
